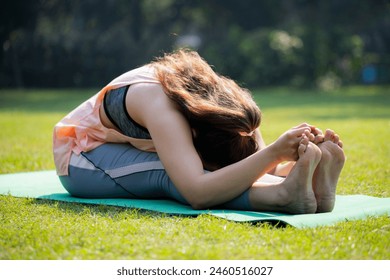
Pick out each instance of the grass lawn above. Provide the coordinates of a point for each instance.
(37, 229)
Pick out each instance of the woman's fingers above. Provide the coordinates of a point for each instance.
(309, 135)
(319, 139)
(299, 131)
(314, 130)
(315, 134)
(317, 131)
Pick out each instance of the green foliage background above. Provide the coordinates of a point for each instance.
(325, 43)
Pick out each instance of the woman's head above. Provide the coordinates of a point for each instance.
(221, 113)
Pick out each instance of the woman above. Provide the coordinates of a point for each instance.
(176, 129)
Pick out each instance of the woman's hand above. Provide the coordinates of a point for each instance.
(286, 146)
(316, 136)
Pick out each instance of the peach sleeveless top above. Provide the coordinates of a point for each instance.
(82, 130)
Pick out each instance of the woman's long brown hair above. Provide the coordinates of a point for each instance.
(217, 109)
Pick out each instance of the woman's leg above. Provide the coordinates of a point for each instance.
(88, 181)
(119, 170)
(295, 193)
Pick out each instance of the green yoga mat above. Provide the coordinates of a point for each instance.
(46, 185)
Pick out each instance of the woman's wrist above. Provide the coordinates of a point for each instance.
(272, 156)
(274, 153)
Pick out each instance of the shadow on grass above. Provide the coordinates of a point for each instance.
(99, 209)
(109, 211)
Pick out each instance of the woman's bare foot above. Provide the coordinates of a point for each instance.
(299, 195)
(328, 171)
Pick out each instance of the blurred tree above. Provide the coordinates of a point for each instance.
(16, 16)
(53, 43)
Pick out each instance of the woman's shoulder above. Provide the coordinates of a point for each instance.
(148, 99)
(147, 93)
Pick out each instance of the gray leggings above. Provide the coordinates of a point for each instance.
(122, 171)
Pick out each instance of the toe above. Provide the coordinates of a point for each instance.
(328, 135)
(335, 138)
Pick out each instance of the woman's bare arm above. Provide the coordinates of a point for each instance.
(172, 137)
